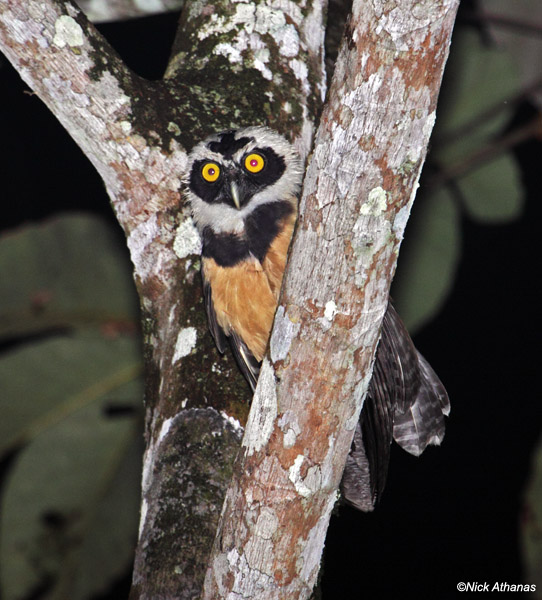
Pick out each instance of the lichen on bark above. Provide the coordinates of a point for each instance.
(358, 189)
(243, 64)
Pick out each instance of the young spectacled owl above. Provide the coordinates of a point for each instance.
(243, 188)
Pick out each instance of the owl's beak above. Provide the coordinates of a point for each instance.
(235, 195)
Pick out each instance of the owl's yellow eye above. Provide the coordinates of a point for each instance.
(254, 163)
(210, 172)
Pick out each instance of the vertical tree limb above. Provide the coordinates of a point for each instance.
(358, 191)
(359, 188)
(256, 63)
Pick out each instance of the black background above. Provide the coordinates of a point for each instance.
(452, 515)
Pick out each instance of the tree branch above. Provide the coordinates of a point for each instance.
(358, 191)
(231, 65)
(72, 68)
(99, 11)
(132, 131)
(237, 64)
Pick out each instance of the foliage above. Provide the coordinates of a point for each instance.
(71, 389)
(71, 399)
(462, 175)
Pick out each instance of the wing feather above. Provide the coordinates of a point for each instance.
(247, 299)
(248, 364)
(406, 401)
(216, 331)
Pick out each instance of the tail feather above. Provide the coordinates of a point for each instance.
(356, 485)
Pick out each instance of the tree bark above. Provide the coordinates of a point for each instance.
(99, 11)
(358, 191)
(231, 65)
(236, 64)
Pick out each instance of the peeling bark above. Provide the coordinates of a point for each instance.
(135, 133)
(357, 195)
(236, 64)
(100, 11)
(191, 461)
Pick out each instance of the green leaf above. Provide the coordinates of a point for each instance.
(70, 503)
(107, 551)
(525, 47)
(46, 381)
(493, 193)
(62, 482)
(428, 259)
(478, 78)
(70, 271)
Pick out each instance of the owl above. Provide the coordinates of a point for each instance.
(243, 188)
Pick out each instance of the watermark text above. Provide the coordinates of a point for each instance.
(497, 586)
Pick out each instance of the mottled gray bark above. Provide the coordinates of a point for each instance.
(237, 64)
(357, 196)
(99, 11)
(231, 65)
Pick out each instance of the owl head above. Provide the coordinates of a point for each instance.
(231, 173)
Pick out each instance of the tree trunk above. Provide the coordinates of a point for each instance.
(357, 196)
(237, 64)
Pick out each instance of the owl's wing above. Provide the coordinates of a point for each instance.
(406, 401)
(216, 331)
(249, 366)
(422, 401)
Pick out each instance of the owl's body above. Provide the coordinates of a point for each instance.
(243, 187)
(246, 219)
(245, 295)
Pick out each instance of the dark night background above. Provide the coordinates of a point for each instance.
(451, 515)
